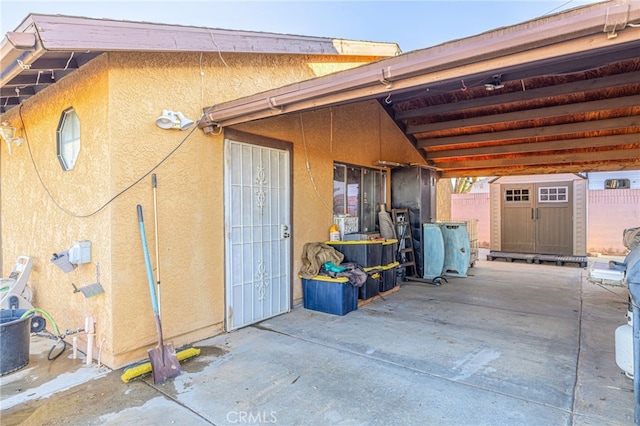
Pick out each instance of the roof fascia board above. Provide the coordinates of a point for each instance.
(73, 33)
(271, 103)
(387, 75)
(18, 50)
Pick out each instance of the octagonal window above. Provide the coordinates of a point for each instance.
(68, 139)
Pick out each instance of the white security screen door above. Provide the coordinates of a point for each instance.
(257, 233)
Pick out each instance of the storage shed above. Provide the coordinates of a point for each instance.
(545, 214)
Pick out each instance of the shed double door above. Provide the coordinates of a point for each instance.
(537, 218)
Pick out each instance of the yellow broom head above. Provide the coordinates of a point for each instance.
(143, 369)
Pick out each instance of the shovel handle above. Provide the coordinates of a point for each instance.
(147, 261)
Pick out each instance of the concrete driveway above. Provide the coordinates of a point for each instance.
(512, 344)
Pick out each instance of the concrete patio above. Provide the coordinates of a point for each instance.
(512, 344)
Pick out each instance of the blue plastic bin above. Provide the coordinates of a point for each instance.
(335, 296)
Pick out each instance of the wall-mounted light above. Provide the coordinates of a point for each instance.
(384, 163)
(8, 134)
(496, 83)
(173, 120)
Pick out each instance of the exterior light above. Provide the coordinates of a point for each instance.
(8, 134)
(173, 120)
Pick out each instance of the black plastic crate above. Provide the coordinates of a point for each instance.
(372, 286)
(389, 276)
(389, 250)
(367, 254)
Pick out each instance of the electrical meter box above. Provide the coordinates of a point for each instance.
(80, 252)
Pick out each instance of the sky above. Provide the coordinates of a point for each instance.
(412, 24)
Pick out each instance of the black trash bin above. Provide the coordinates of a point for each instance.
(15, 332)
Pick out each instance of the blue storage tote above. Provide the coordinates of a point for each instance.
(389, 276)
(367, 254)
(389, 250)
(433, 250)
(335, 296)
(372, 286)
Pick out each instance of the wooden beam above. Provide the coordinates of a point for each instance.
(527, 95)
(11, 91)
(595, 166)
(555, 159)
(531, 114)
(31, 78)
(522, 148)
(534, 132)
(10, 101)
(45, 63)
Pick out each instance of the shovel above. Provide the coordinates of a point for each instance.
(164, 362)
(154, 184)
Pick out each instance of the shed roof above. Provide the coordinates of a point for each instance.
(45, 48)
(556, 94)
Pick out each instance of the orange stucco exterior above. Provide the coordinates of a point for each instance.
(117, 97)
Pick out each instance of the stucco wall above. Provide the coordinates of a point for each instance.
(118, 97)
(359, 134)
(46, 209)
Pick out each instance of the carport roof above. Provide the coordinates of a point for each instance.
(556, 94)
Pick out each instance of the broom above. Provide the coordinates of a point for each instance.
(138, 370)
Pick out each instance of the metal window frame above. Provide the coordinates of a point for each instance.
(60, 143)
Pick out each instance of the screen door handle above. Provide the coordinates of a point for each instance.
(284, 232)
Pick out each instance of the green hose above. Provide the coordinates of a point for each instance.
(59, 336)
(46, 315)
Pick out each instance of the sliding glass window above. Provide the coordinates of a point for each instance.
(357, 191)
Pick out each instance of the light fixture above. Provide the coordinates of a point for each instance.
(384, 163)
(173, 120)
(8, 133)
(496, 83)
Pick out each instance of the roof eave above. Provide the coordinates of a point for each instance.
(17, 51)
(380, 77)
(66, 33)
(39, 34)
